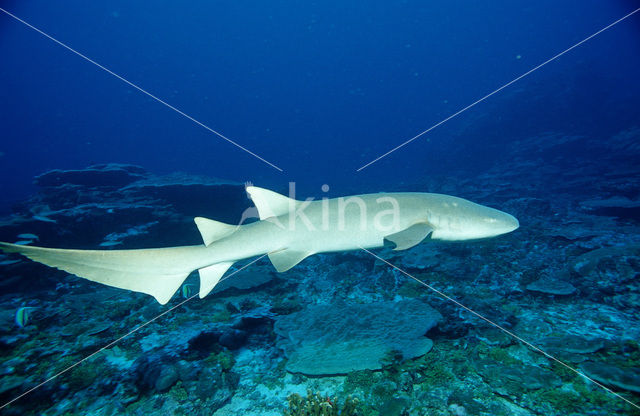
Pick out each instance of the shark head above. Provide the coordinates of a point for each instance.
(457, 219)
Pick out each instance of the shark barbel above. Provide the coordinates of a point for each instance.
(288, 231)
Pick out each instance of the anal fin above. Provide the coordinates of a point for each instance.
(211, 275)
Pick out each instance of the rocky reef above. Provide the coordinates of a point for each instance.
(114, 202)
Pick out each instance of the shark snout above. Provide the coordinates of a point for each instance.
(503, 223)
(510, 222)
(497, 223)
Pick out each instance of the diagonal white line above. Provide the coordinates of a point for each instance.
(506, 331)
(496, 91)
(131, 84)
(112, 343)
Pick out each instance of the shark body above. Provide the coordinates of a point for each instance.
(288, 231)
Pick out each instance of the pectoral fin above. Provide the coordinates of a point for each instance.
(285, 259)
(411, 236)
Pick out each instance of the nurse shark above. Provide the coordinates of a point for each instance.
(288, 231)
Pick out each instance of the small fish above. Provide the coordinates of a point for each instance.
(110, 243)
(188, 290)
(43, 218)
(100, 328)
(28, 236)
(23, 242)
(23, 315)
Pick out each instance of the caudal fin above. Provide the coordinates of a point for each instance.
(158, 272)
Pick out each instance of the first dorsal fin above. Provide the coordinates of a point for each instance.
(269, 203)
(211, 230)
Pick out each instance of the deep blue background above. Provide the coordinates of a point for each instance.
(317, 88)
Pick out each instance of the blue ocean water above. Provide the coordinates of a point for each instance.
(319, 90)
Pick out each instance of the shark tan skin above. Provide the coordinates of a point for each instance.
(288, 231)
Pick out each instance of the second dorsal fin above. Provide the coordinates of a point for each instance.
(269, 203)
(211, 230)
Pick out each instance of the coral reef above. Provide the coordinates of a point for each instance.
(339, 338)
(313, 404)
(343, 325)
